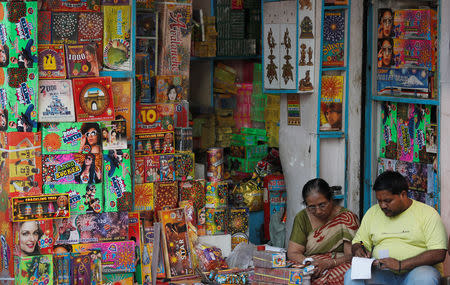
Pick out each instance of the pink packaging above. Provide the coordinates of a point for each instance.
(414, 53)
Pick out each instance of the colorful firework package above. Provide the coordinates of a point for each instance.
(121, 91)
(72, 5)
(83, 198)
(35, 270)
(183, 139)
(114, 135)
(60, 138)
(134, 233)
(18, 99)
(166, 195)
(45, 27)
(422, 118)
(31, 208)
(184, 166)
(151, 167)
(116, 37)
(118, 278)
(415, 23)
(216, 221)
(174, 50)
(250, 194)
(216, 194)
(171, 88)
(237, 226)
(61, 262)
(139, 170)
(43, 245)
(154, 118)
(117, 180)
(64, 28)
(167, 167)
(90, 28)
(210, 257)
(274, 199)
(388, 140)
(333, 38)
(56, 101)
(93, 99)
(332, 92)
(82, 61)
(414, 53)
(398, 82)
(6, 239)
(72, 168)
(181, 114)
(405, 132)
(193, 191)
(21, 163)
(52, 62)
(89, 228)
(144, 195)
(155, 143)
(175, 243)
(117, 257)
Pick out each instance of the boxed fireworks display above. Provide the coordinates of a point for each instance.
(117, 180)
(56, 101)
(31, 208)
(154, 118)
(415, 23)
(52, 62)
(122, 96)
(35, 270)
(82, 60)
(171, 88)
(114, 135)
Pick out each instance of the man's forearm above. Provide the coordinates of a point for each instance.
(430, 257)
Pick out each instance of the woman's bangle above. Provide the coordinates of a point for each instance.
(335, 262)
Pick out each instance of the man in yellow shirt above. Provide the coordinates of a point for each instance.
(406, 237)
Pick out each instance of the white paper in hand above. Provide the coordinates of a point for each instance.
(362, 268)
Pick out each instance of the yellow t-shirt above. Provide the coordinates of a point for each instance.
(418, 229)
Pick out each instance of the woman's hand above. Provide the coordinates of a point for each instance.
(321, 266)
(82, 142)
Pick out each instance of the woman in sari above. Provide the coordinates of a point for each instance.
(323, 231)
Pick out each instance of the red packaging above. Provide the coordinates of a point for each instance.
(24, 246)
(139, 172)
(45, 27)
(93, 99)
(51, 61)
(21, 163)
(152, 169)
(166, 195)
(71, 5)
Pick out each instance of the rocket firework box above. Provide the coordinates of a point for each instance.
(414, 53)
(46, 207)
(175, 48)
(154, 118)
(21, 163)
(116, 37)
(93, 99)
(415, 23)
(18, 99)
(56, 101)
(18, 34)
(155, 143)
(117, 177)
(52, 62)
(83, 198)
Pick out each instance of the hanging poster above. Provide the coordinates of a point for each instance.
(388, 134)
(333, 38)
(331, 102)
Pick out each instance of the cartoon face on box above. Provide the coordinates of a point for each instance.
(72, 168)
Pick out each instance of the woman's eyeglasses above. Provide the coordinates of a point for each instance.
(321, 206)
(387, 21)
(90, 134)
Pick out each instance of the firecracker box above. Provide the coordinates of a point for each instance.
(404, 82)
(274, 199)
(114, 134)
(154, 118)
(117, 37)
(6, 238)
(246, 140)
(52, 62)
(174, 50)
(45, 27)
(280, 276)
(238, 226)
(253, 131)
(151, 168)
(216, 194)
(248, 152)
(269, 259)
(184, 166)
(19, 99)
(183, 139)
(216, 221)
(83, 198)
(155, 143)
(166, 194)
(144, 197)
(21, 163)
(170, 88)
(72, 5)
(121, 91)
(56, 101)
(45, 207)
(61, 263)
(85, 267)
(193, 191)
(65, 137)
(44, 243)
(243, 165)
(117, 257)
(181, 119)
(64, 27)
(414, 54)
(117, 180)
(42, 273)
(415, 23)
(80, 168)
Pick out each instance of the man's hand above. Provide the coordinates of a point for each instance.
(388, 263)
(359, 250)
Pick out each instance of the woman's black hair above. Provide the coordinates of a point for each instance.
(67, 247)
(6, 62)
(37, 250)
(381, 13)
(92, 175)
(380, 45)
(86, 126)
(317, 185)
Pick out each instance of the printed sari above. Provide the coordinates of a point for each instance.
(328, 242)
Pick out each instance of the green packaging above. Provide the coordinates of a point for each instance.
(116, 37)
(117, 180)
(388, 140)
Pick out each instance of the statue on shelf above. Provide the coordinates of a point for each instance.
(305, 83)
(302, 55)
(310, 55)
(305, 3)
(306, 28)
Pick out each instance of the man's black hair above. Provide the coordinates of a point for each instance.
(391, 181)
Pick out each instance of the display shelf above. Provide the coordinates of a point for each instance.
(433, 102)
(344, 70)
(117, 73)
(217, 58)
(373, 102)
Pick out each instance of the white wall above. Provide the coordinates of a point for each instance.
(298, 144)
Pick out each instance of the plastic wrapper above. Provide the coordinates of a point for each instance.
(241, 256)
(233, 278)
(210, 258)
(250, 194)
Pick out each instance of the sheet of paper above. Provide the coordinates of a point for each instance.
(362, 268)
(383, 253)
